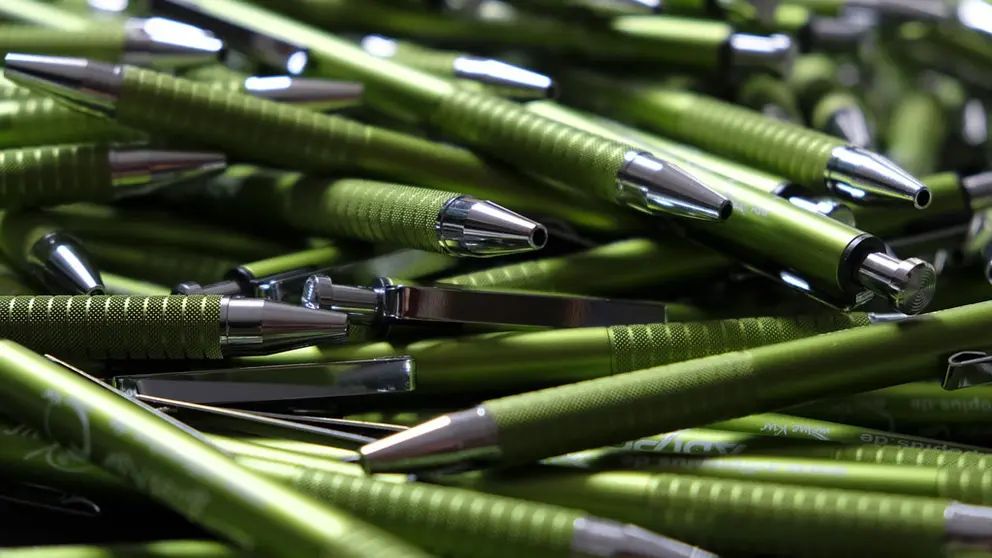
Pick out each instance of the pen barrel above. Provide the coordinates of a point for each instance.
(108, 326)
(905, 455)
(43, 121)
(315, 258)
(54, 175)
(245, 127)
(437, 62)
(104, 43)
(771, 97)
(158, 265)
(917, 129)
(507, 131)
(681, 41)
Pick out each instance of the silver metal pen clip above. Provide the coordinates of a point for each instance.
(388, 302)
(967, 369)
(276, 386)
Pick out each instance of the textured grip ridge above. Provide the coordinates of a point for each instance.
(180, 327)
(790, 150)
(928, 457)
(55, 175)
(578, 159)
(402, 216)
(971, 486)
(243, 126)
(644, 346)
(763, 518)
(105, 44)
(535, 274)
(460, 522)
(43, 121)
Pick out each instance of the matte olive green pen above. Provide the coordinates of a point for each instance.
(178, 467)
(37, 246)
(586, 162)
(44, 121)
(314, 94)
(558, 420)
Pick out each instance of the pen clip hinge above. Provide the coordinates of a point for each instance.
(967, 369)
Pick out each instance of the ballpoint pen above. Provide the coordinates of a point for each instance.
(169, 327)
(496, 126)
(492, 75)
(916, 132)
(157, 549)
(830, 108)
(154, 41)
(806, 157)
(742, 517)
(115, 284)
(961, 51)
(771, 97)
(314, 94)
(36, 246)
(44, 14)
(914, 403)
(509, 361)
(43, 121)
(60, 174)
(858, 267)
(178, 467)
(558, 420)
(166, 266)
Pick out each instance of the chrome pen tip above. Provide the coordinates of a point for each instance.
(775, 53)
(61, 264)
(83, 84)
(865, 177)
(654, 186)
(592, 536)
(506, 79)
(844, 119)
(314, 94)
(137, 170)
(908, 284)
(164, 43)
(470, 227)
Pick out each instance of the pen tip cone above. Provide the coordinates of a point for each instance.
(62, 265)
(82, 84)
(314, 94)
(657, 186)
(155, 168)
(297, 326)
(477, 228)
(164, 43)
(508, 80)
(865, 177)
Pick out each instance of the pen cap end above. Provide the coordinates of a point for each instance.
(475, 228)
(92, 87)
(909, 284)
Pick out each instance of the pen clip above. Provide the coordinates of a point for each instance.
(277, 385)
(48, 498)
(967, 369)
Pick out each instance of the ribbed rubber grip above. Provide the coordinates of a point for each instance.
(158, 265)
(790, 150)
(449, 521)
(393, 214)
(588, 414)
(507, 131)
(244, 127)
(438, 62)
(971, 486)
(894, 455)
(54, 175)
(175, 327)
(643, 346)
(43, 121)
(105, 43)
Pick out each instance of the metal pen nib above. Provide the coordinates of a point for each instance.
(136, 170)
(89, 86)
(774, 53)
(314, 94)
(601, 537)
(865, 177)
(61, 264)
(908, 284)
(470, 227)
(508, 80)
(850, 124)
(654, 186)
(254, 326)
(161, 42)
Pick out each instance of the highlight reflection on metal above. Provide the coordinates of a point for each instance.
(388, 302)
(273, 384)
(61, 264)
(966, 369)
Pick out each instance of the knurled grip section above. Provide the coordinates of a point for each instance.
(971, 486)
(644, 346)
(103, 44)
(243, 126)
(173, 327)
(401, 216)
(774, 519)
(536, 274)
(43, 121)
(507, 131)
(158, 265)
(54, 175)
(593, 413)
(894, 455)
(449, 521)
(746, 136)
(439, 63)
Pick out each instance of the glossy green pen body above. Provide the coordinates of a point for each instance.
(586, 162)
(806, 157)
(914, 403)
(161, 549)
(43, 121)
(178, 467)
(917, 131)
(742, 517)
(558, 420)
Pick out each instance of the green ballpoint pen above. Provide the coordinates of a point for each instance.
(914, 403)
(163, 327)
(830, 108)
(916, 132)
(37, 246)
(176, 466)
(315, 94)
(509, 361)
(60, 174)
(42, 121)
(743, 517)
(492, 75)
(36, 12)
(166, 266)
(806, 157)
(771, 97)
(558, 420)
(160, 549)
(503, 129)
(115, 284)
(850, 266)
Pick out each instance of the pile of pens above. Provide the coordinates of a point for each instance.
(495, 278)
